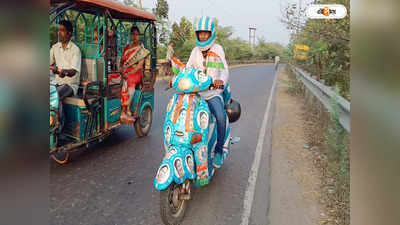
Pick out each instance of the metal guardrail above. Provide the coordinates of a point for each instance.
(325, 96)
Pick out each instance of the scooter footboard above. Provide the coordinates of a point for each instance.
(177, 166)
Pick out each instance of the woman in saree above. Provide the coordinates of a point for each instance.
(132, 69)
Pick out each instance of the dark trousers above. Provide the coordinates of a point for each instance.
(63, 91)
(217, 109)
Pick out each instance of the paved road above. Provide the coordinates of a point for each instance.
(112, 183)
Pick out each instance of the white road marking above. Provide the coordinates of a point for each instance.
(249, 195)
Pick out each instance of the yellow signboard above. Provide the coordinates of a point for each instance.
(302, 47)
(300, 51)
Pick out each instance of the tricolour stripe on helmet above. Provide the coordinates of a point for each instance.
(199, 23)
(203, 23)
(207, 23)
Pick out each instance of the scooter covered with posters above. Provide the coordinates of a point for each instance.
(189, 139)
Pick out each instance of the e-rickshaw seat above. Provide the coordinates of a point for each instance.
(77, 101)
(89, 66)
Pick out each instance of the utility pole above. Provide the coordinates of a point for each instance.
(298, 17)
(252, 36)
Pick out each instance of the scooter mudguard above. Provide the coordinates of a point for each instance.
(177, 135)
(177, 166)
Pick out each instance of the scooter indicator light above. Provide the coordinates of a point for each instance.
(196, 138)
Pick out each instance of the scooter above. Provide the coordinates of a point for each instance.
(189, 139)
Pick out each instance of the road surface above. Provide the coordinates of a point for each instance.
(112, 183)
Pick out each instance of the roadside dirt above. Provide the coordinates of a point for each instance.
(295, 179)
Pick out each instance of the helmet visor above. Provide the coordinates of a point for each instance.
(203, 36)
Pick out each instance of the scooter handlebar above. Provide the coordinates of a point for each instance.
(212, 87)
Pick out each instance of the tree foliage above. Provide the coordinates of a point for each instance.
(129, 3)
(183, 36)
(161, 13)
(161, 10)
(329, 42)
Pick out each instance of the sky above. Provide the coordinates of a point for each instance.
(264, 15)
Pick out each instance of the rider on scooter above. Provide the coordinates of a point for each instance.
(210, 58)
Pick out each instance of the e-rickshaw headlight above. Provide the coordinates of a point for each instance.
(52, 120)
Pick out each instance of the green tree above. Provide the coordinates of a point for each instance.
(161, 12)
(129, 3)
(184, 38)
(182, 33)
(329, 42)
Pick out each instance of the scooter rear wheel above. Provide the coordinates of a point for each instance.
(172, 209)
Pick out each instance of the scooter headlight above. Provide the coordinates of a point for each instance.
(184, 84)
(202, 119)
(52, 120)
(163, 174)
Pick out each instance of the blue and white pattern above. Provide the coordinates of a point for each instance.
(205, 23)
(182, 159)
(191, 80)
(53, 97)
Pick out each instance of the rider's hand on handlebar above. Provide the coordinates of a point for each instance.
(218, 84)
(54, 69)
(60, 74)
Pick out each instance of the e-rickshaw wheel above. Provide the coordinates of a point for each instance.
(143, 122)
(61, 157)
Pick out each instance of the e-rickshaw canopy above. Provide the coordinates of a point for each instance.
(116, 9)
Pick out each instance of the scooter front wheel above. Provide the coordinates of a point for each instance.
(172, 206)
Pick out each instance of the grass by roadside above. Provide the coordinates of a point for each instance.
(329, 143)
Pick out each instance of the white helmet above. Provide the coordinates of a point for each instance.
(205, 23)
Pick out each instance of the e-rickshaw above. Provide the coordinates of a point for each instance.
(94, 113)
